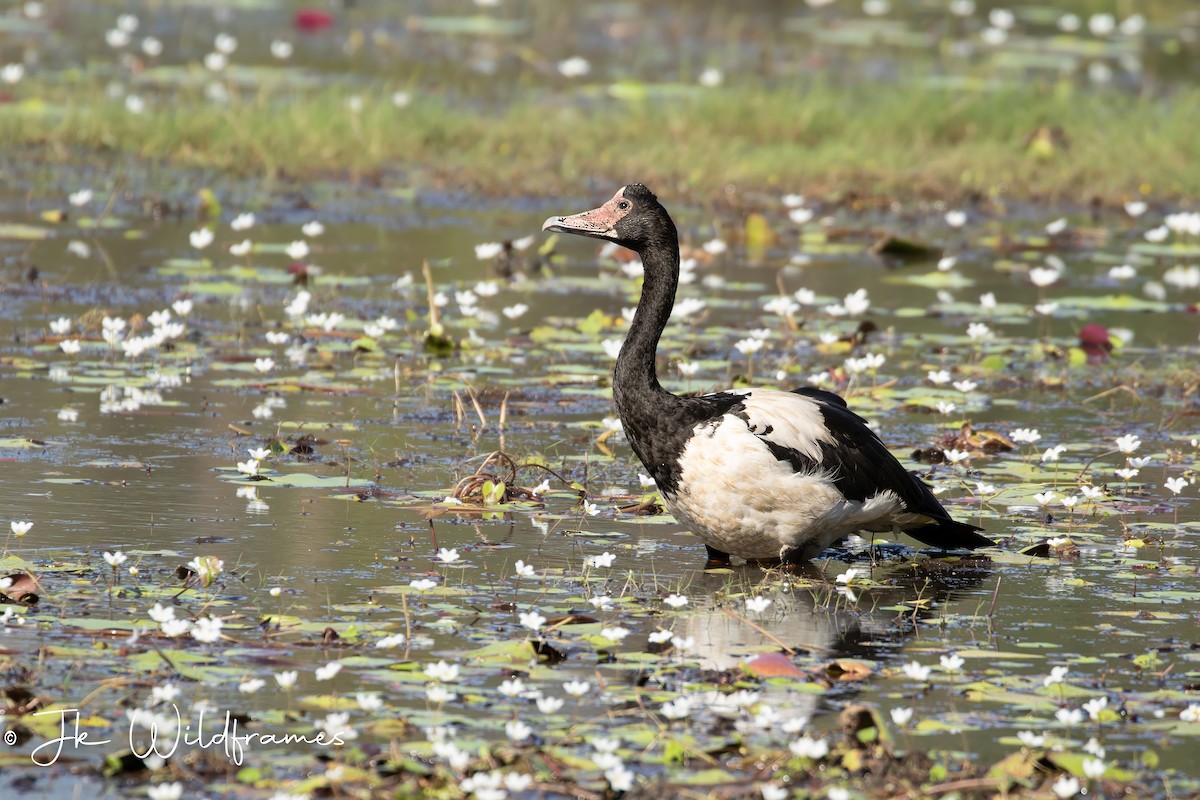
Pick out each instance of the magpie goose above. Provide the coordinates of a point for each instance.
(761, 474)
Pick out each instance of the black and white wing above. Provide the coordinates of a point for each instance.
(814, 429)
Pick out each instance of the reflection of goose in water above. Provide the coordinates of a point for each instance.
(818, 625)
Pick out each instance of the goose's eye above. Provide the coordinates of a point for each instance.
(623, 205)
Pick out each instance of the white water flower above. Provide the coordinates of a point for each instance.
(952, 662)
(1043, 276)
(711, 77)
(619, 777)
(1156, 235)
(447, 555)
(902, 716)
(1066, 786)
(549, 705)
(1057, 675)
(916, 671)
(856, 302)
(388, 642)
(955, 456)
(807, 747)
(758, 604)
(782, 306)
(165, 791)
(13, 73)
(1069, 716)
(574, 67)
(1094, 706)
(955, 218)
(979, 331)
(438, 694)
(297, 250)
(1128, 443)
(328, 671)
(201, 239)
(1135, 208)
(442, 671)
(116, 38)
(773, 791)
(532, 620)
(152, 46)
(687, 307)
(1052, 453)
(676, 600)
(172, 628)
(801, 216)
(614, 633)
(517, 731)
(679, 708)
(602, 561)
(1031, 739)
(80, 198)
(160, 613)
(1025, 435)
(660, 636)
(206, 630)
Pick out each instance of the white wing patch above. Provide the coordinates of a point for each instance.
(790, 420)
(740, 499)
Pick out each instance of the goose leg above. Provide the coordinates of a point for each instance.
(716, 559)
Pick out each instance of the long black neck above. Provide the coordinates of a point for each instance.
(657, 423)
(635, 382)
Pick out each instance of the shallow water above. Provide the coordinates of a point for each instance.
(159, 481)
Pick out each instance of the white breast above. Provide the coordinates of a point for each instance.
(740, 499)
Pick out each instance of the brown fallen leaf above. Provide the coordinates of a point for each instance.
(847, 669)
(772, 665)
(19, 587)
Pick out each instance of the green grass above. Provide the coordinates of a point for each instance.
(875, 141)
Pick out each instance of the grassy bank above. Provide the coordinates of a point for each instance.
(874, 140)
